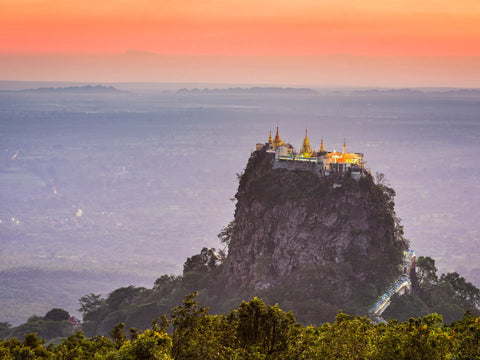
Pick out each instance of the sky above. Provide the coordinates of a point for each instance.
(35, 35)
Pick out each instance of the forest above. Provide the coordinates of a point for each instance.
(258, 331)
(254, 329)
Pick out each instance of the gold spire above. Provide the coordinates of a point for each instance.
(306, 150)
(343, 147)
(278, 141)
(270, 137)
(322, 149)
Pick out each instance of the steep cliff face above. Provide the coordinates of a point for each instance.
(294, 228)
(312, 244)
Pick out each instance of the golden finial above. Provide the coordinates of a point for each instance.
(306, 141)
(305, 150)
(277, 141)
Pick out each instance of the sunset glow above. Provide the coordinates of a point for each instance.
(285, 28)
(241, 28)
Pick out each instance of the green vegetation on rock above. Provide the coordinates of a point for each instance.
(53, 325)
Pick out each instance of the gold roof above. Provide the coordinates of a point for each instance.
(322, 149)
(306, 145)
(277, 141)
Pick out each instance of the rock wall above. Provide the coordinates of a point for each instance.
(289, 222)
(297, 165)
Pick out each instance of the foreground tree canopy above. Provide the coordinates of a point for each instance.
(259, 331)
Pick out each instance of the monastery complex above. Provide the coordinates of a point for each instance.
(322, 162)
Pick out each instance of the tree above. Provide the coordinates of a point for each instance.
(381, 179)
(123, 294)
(425, 339)
(78, 347)
(198, 335)
(57, 314)
(34, 318)
(32, 344)
(90, 303)
(464, 291)
(185, 321)
(226, 233)
(466, 337)
(349, 337)
(426, 272)
(165, 284)
(4, 329)
(118, 335)
(265, 327)
(203, 262)
(388, 193)
(148, 345)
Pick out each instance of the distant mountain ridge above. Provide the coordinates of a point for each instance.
(251, 90)
(75, 89)
(419, 91)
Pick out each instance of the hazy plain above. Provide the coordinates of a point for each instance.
(102, 188)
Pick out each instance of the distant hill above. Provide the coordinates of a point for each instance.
(388, 92)
(251, 90)
(419, 91)
(75, 89)
(461, 92)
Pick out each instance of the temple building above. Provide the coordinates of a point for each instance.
(276, 144)
(322, 162)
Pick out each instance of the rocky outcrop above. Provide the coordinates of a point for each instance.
(291, 223)
(312, 244)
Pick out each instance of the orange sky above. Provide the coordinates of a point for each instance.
(268, 41)
(242, 27)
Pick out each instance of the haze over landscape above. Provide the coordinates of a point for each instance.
(105, 186)
(118, 187)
